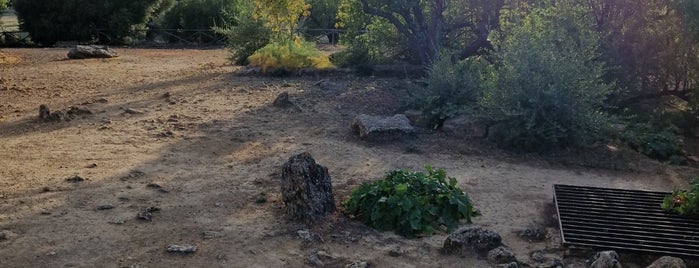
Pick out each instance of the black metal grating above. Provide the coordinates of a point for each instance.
(627, 220)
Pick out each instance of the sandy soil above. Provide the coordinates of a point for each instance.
(180, 120)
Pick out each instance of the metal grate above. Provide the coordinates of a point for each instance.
(623, 220)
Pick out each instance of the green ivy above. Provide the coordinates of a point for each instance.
(683, 202)
(411, 203)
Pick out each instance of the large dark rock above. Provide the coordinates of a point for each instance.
(89, 52)
(606, 259)
(471, 239)
(306, 189)
(374, 127)
(668, 262)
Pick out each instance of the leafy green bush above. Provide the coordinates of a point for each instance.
(683, 202)
(452, 88)
(549, 91)
(411, 203)
(657, 142)
(290, 57)
(244, 34)
(355, 56)
(76, 20)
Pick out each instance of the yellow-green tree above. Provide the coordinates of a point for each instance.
(281, 16)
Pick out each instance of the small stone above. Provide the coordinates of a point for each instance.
(132, 111)
(105, 207)
(282, 100)
(212, 234)
(472, 238)
(606, 259)
(305, 235)
(117, 222)
(509, 265)
(396, 252)
(147, 213)
(181, 248)
(261, 198)
(157, 186)
(51, 253)
(668, 262)
(357, 264)
(6, 234)
(93, 165)
(75, 178)
(44, 112)
(501, 255)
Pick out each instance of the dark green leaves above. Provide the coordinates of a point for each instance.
(411, 203)
(683, 202)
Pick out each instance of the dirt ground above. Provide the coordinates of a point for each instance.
(177, 130)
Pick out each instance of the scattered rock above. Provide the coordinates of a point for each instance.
(375, 127)
(132, 111)
(396, 252)
(212, 234)
(668, 262)
(105, 207)
(6, 234)
(533, 233)
(509, 265)
(282, 100)
(605, 259)
(318, 258)
(75, 179)
(93, 165)
(261, 198)
(326, 84)
(553, 235)
(117, 222)
(157, 186)
(249, 71)
(44, 112)
(134, 174)
(306, 189)
(181, 248)
(501, 255)
(76, 111)
(92, 51)
(358, 264)
(466, 127)
(147, 213)
(166, 134)
(472, 238)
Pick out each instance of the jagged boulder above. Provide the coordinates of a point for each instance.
(605, 259)
(668, 262)
(471, 239)
(376, 127)
(89, 52)
(306, 189)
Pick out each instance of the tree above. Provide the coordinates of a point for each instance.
(427, 25)
(50, 21)
(281, 16)
(548, 90)
(649, 46)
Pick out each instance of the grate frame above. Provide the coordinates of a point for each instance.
(625, 220)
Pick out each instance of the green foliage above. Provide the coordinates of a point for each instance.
(3, 4)
(290, 57)
(369, 40)
(198, 14)
(658, 142)
(244, 34)
(452, 88)
(549, 90)
(411, 203)
(683, 202)
(50, 21)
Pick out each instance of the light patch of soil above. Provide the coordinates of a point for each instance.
(213, 143)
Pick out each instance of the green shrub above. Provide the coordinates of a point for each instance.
(411, 203)
(549, 91)
(290, 57)
(658, 142)
(76, 20)
(452, 88)
(683, 202)
(244, 34)
(357, 57)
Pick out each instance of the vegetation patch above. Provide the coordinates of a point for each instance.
(411, 203)
(683, 202)
(290, 57)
